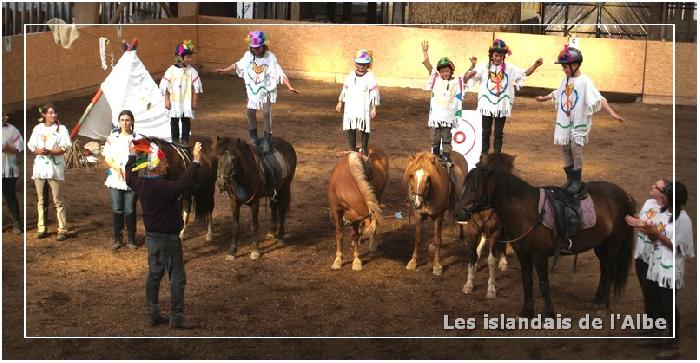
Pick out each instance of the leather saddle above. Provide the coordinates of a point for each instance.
(566, 210)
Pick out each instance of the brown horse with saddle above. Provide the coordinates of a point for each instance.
(248, 175)
(433, 191)
(354, 190)
(522, 212)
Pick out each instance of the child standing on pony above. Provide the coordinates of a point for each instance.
(181, 86)
(361, 97)
(497, 92)
(576, 100)
(262, 74)
(445, 102)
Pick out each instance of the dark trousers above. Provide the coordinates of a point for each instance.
(664, 309)
(175, 129)
(486, 122)
(441, 136)
(9, 192)
(352, 141)
(647, 286)
(165, 256)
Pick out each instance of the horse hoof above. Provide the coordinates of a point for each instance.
(182, 235)
(208, 237)
(431, 248)
(337, 264)
(281, 243)
(491, 295)
(270, 235)
(503, 266)
(468, 288)
(437, 270)
(230, 257)
(357, 264)
(411, 265)
(254, 255)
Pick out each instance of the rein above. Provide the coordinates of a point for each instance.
(540, 217)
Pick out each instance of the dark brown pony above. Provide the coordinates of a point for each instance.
(201, 194)
(432, 193)
(246, 175)
(493, 185)
(355, 200)
(481, 233)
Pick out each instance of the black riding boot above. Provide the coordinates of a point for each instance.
(352, 140)
(254, 137)
(576, 187)
(130, 221)
(266, 143)
(117, 225)
(436, 151)
(569, 178)
(365, 143)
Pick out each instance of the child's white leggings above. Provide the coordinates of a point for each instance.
(267, 118)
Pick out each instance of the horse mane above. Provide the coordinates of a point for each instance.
(357, 172)
(424, 160)
(504, 162)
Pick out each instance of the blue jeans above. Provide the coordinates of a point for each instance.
(165, 255)
(123, 201)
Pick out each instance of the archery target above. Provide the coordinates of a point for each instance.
(466, 136)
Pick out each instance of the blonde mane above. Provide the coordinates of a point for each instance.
(424, 160)
(357, 172)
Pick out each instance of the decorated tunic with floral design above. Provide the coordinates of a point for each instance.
(358, 94)
(576, 100)
(445, 100)
(497, 88)
(49, 137)
(11, 137)
(261, 76)
(661, 263)
(180, 82)
(117, 149)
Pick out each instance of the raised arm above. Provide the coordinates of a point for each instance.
(470, 72)
(533, 67)
(426, 60)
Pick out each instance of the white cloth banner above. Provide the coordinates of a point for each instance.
(466, 136)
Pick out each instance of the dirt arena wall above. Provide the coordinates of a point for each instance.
(325, 52)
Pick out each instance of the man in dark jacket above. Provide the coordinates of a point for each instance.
(163, 221)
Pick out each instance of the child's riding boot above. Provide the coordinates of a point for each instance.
(577, 187)
(365, 143)
(568, 171)
(436, 150)
(254, 137)
(352, 140)
(266, 143)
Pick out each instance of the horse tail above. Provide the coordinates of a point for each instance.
(624, 257)
(358, 174)
(203, 195)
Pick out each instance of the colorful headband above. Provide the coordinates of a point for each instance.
(363, 56)
(500, 46)
(150, 155)
(256, 39)
(183, 49)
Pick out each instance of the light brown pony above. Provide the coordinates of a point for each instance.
(432, 193)
(354, 199)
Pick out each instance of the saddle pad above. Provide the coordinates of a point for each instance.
(588, 217)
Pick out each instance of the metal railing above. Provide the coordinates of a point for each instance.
(15, 15)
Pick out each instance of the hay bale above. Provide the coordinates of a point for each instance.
(466, 13)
